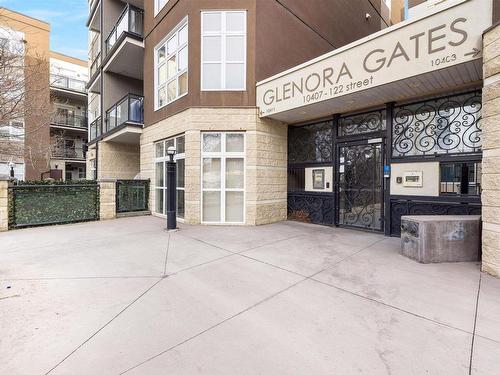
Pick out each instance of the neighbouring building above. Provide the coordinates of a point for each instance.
(68, 125)
(183, 73)
(46, 134)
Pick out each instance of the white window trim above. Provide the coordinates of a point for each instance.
(223, 33)
(164, 159)
(184, 22)
(159, 8)
(11, 134)
(223, 155)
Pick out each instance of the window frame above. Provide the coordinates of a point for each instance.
(11, 134)
(163, 159)
(173, 33)
(477, 186)
(157, 7)
(223, 61)
(223, 155)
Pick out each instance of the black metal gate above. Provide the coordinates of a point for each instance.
(132, 195)
(360, 189)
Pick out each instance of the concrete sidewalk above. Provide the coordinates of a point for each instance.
(123, 296)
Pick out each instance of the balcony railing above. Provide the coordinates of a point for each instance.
(63, 152)
(67, 83)
(76, 121)
(127, 110)
(130, 21)
(94, 67)
(95, 129)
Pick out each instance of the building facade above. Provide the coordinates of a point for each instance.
(38, 120)
(183, 74)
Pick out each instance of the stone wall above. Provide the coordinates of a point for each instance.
(491, 152)
(117, 160)
(107, 199)
(4, 205)
(266, 158)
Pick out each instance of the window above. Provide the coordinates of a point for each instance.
(223, 51)
(460, 178)
(159, 4)
(93, 168)
(171, 66)
(14, 131)
(160, 180)
(223, 177)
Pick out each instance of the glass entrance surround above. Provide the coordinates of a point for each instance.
(223, 177)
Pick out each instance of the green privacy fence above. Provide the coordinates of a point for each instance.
(132, 195)
(46, 203)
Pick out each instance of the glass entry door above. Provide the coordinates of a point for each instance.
(360, 187)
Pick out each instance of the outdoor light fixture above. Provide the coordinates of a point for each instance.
(11, 166)
(171, 190)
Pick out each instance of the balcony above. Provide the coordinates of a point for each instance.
(95, 129)
(68, 87)
(72, 121)
(94, 19)
(124, 47)
(66, 152)
(123, 122)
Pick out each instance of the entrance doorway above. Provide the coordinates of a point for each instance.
(360, 193)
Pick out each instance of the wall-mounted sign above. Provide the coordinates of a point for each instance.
(318, 176)
(450, 36)
(413, 179)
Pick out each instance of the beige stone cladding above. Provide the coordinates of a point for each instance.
(107, 199)
(4, 205)
(491, 152)
(266, 158)
(117, 160)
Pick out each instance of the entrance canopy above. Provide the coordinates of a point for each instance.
(434, 53)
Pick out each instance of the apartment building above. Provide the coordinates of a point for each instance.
(47, 132)
(183, 73)
(68, 124)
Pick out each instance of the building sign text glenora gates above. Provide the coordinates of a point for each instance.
(447, 38)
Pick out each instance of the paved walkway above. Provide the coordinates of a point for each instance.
(123, 296)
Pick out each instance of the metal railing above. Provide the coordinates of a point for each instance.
(94, 67)
(63, 152)
(67, 83)
(95, 129)
(76, 121)
(127, 110)
(130, 21)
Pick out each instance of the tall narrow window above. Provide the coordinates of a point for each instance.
(223, 177)
(223, 51)
(161, 183)
(171, 66)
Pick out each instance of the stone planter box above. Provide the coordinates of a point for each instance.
(441, 238)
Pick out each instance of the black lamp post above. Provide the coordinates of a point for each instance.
(11, 165)
(171, 190)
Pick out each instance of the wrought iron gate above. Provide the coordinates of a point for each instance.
(360, 200)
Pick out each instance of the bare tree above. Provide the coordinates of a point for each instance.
(24, 96)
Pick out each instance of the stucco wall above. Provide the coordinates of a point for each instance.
(266, 158)
(491, 152)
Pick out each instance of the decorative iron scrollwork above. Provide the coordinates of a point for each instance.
(310, 143)
(363, 123)
(447, 125)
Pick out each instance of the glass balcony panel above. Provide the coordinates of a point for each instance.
(130, 21)
(129, 109)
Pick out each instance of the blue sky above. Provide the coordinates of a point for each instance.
(67, 19)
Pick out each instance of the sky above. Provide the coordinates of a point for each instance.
(67, 19)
